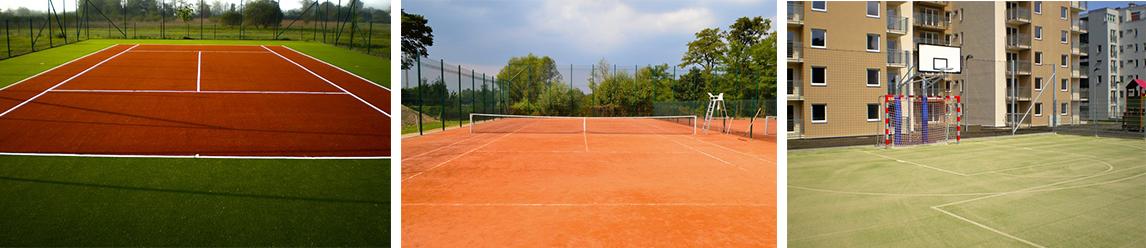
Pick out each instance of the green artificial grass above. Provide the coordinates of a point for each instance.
(374, 68)
(432, 126)
(62, 201)
(70, 201)
(1037, 190)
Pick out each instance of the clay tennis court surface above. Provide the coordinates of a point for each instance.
(206, 100)
(527, 183)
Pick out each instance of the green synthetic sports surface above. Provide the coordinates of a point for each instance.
(1025, 191)
(71, 201)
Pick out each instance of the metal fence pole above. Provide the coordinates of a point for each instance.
(369, 35)
(7, 40)
(473, 91)
(201, 17)
(31, 36)
(124, 21)
(442, 68)
(421, 102)
(241, 19)
(51, 31)
(459, 83)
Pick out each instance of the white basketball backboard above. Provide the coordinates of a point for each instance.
(936, 58)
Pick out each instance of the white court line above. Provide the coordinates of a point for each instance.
(58, 66)
(199, 73)
(66, 80)
(192, 51)
(439, 148)
(174, 156)
(665, 204)
(209, 92)
(336, 67)
(916, 164)
(463, 154)
(328, 81)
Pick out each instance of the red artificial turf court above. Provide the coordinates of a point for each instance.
(536, 183)
(196, 100)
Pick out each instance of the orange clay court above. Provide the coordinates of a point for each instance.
(588, 182)
(196, 100)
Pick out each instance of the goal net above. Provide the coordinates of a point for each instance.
(917, 120)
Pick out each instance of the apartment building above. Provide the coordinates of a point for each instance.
(1117, 56)
(842, 56)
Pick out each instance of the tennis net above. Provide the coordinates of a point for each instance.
(498, 123)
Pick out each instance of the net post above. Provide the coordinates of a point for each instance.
(471, 122)
(693, 124)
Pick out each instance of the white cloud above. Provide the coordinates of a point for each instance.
(604, 25)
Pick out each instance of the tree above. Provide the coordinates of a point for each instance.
(528, 76)
(706, 50)
(417, 35)
(690, 86)
(231, 18)
(262, 13)
(185, 13)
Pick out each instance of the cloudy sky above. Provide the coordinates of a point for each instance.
(42, 5)
(484, 34)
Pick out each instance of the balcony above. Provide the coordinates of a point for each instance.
(1078, 5)
(795, 13)
(795, 52)
(931, 21)
(1018, 15)
(1075, 73)
(795, 127)
(1021, 67)
(897, 58)
(1075, 26)
(1082, 27)
(795, 90)
(1083, 94)
(896, 25)
(933, 3)
(1024, 93)
(931, 41)
(1018, 41)
(1085, 70)
(1076, 48)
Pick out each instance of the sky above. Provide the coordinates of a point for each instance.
(484, 34)
(42, 5)
(1091, 5)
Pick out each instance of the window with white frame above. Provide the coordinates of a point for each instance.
(820, 5)
(1038, 83)
(819, 75)
(1063, 108)
(873, 77)
(1064, 84)
(1065, 60)
(1038, 32)
(819, 38)
(1038, 58)
(1063, 36)
(819, 113)
(872, 112)
(872, 42)
(1039, 109)
(1038, 7)
(873, 9)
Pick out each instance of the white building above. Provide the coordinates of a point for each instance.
(1117, 54)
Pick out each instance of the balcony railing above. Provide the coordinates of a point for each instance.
(931, 21)
(896, 24)
(1083, 93)
(1078, 5)
(1021, 67)
(795, 51)
(1019, 40)
(795, 127)
(1074, 26)
(895, 57)
(1076, 48)
(1082, 26)
(1018, 14)
(931, 41)
(796, 12)
(795, 89)
(1024, 92)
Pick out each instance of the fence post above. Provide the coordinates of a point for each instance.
(484, 98)
(50, 30)
(241, 19)
(369, 35)
(459, 78)
(124, 22)
(421, 102)
(7, 39)
(77, 20)
(442, 70)
(473, 91)
(31, 36)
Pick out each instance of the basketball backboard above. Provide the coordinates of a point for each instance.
(936, 58)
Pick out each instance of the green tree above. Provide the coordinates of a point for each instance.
(263, 13)
(185, 13)
(706, 51)
(528, 76)
(690, 86)
(417, 35)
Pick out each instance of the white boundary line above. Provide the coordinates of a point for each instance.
(174, 156)
(58, 66)
(665, 204)
(339, 68)
(199, 73)
(208, 92)
(916, 164)
(66, 80)
(462, 155)
(328, 81)
(192, 51)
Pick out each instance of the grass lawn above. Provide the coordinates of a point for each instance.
(1036, 190)
(432, 126)
(374, 68)
(68, 201)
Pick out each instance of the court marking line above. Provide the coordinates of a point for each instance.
(336, 67)
(693, 148)
(178, 156)
(328, 81)
(439, 148)
(199, 73)
(462, 155)
(664, 204)
(66, 80)
(597, 152)
(915, 164)
(207, 92)
(57, 67)
(192, 51)
(734, 150)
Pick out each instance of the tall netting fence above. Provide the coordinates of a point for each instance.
(439, 95)
(1089, 113)
(348, 24)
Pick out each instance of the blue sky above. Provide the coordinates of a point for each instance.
(484, 34)
(1091, 5)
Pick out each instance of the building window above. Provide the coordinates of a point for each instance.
(1039, 109)
(873, 77)
(1038, 58)
(872, 112)
(820, 5)
(819, 38)
(1038, 7)
(1062, 13)
(872, 42)
(873, 9)
(1065, 60)
(1064, 84)
(1038, 83)
(1063, 108)
(1063, 36)
(1038, 32)
(819, 113)
(819, 75)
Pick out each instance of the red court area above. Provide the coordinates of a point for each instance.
(587, 183)
(201, 100)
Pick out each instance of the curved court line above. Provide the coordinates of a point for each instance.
(328, 81)
(1109, 168)
(664, 204)
(67, 80)
(56, 67)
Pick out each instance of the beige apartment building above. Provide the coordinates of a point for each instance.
(842, 57)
